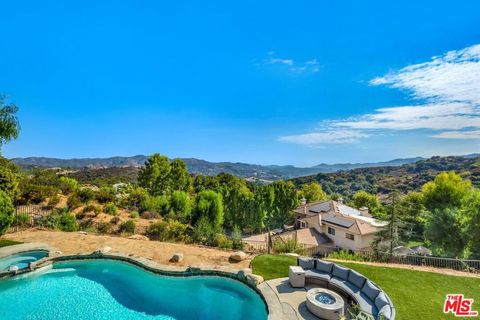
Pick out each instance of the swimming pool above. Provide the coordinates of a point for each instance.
(107, 289)
(21, 260)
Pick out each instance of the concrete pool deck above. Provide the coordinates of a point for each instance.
(290, 302)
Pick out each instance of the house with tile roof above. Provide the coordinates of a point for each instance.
(332, 223)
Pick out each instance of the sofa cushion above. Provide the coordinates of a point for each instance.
(385, 312)
(381, 300)
(324, 266)
(306, 263)
(317, 275)
(345, 286)
(364, 303)
(370, 290)
(340, 272)
(356, 278)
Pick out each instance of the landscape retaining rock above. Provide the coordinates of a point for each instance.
(238, 256)
(138, 237)
(177, 257)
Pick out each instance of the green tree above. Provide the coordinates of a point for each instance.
(368, 200)
(9, 126)
(68, 185)
(445, 230)
(180, 206)
(154, 176)
(9, 180)
(285, 200)
(471, 222)
(313, 192)
(7, 212)
(209, 205)
(180, 179)
(389, 237)
(263, 207)
(446, 191)
(237, 200)
(412, 212)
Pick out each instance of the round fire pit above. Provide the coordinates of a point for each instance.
(325, 304)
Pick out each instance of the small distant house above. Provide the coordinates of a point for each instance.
(335, 224)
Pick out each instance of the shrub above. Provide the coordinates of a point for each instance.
(54, 200)
(106, 194)
(60, 219)
(222, 241)
(68, 222)
(73, 201)
(7, 212)
(237, 238)
(167, 230)
(134, 199)
(287, 246)
(22, 220)
(347, 255)
(86, 224)
(32, 193)
(134, 215)
(150, 215)
(128, 226)
(104, 227)
(68, 185)
(203, 231)
(86, 195)
(158, 204)
(110, 209)
(92, 208)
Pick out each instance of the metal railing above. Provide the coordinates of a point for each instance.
(28, 216)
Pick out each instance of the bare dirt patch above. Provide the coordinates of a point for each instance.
(160, 252)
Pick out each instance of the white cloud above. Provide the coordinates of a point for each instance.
(448, 85)
(326, 137)
(310, 65)
(474, 134)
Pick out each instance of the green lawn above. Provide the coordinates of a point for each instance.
(415, 294)
(4, 243)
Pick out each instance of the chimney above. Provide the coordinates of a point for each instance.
(303, 201)
(340, 200)
(364, 212)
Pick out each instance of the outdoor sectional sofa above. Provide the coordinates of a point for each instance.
(367, 295)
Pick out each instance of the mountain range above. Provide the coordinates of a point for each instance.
(197, 166)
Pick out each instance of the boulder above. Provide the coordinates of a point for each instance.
(242, 274)
(103, 250)
(177, 257)
(254, 279)
(138, 237)
(82, 232)
(238, 256)
(13, 268)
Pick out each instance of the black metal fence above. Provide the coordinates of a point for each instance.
(29, 216)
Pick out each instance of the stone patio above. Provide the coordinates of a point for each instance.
(290, 302)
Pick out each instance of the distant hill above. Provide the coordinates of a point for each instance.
(405, 178)
(196, 166)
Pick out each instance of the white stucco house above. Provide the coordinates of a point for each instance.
(332, 223)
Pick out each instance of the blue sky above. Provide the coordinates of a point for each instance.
(267, 82)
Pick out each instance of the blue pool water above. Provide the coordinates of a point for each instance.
(104, 289)
(21, 260)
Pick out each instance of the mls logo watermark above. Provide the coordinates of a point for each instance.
(459, 306)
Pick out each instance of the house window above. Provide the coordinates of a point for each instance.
(350, 236)
(331, 231)
(303, 224)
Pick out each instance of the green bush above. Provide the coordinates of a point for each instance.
(68, 222)
(86, 195)
(32, 193)
(7, 212)
(22, 220)
(106, 195)
(167, 230)
(54, 200)
(92, 208)
(203, 231)
(237, 238)
(134, 215)
(61, 220)
(110, 209)
(158, 204)
(287, 246)
(73, 201)
(128, 226)
(222, 241)
(68, 185)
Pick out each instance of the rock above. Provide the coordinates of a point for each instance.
(138, 237)
(238, 256)
(103, 250)
(254, 279)
(177, 257)
(13, 269)
(242, 274)
(58, 252)
(82, 232)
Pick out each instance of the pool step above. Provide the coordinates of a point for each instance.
(61, 271)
